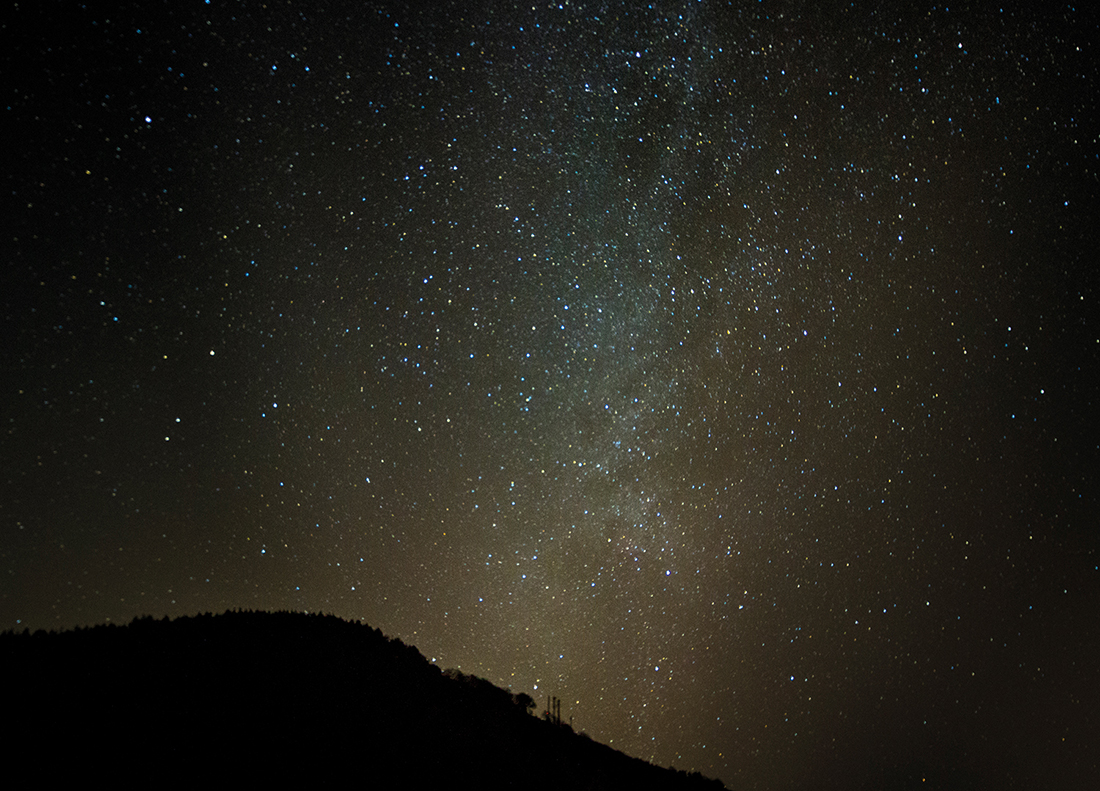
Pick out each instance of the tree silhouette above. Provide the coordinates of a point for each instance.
(525, 702)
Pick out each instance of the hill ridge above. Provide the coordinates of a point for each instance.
(289, 695)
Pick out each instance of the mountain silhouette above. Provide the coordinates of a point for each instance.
(286, 698)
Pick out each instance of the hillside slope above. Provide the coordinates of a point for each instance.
(285, 697)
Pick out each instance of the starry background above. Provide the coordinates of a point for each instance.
(725, 370)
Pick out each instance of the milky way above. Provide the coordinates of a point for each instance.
(725, 370)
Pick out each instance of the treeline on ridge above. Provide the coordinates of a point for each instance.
(288, 697)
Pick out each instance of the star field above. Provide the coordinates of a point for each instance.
(721, 369)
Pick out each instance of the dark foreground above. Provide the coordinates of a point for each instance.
(284, 697)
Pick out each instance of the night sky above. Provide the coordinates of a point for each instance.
(725, 370)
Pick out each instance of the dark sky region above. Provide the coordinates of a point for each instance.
(720, 368)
